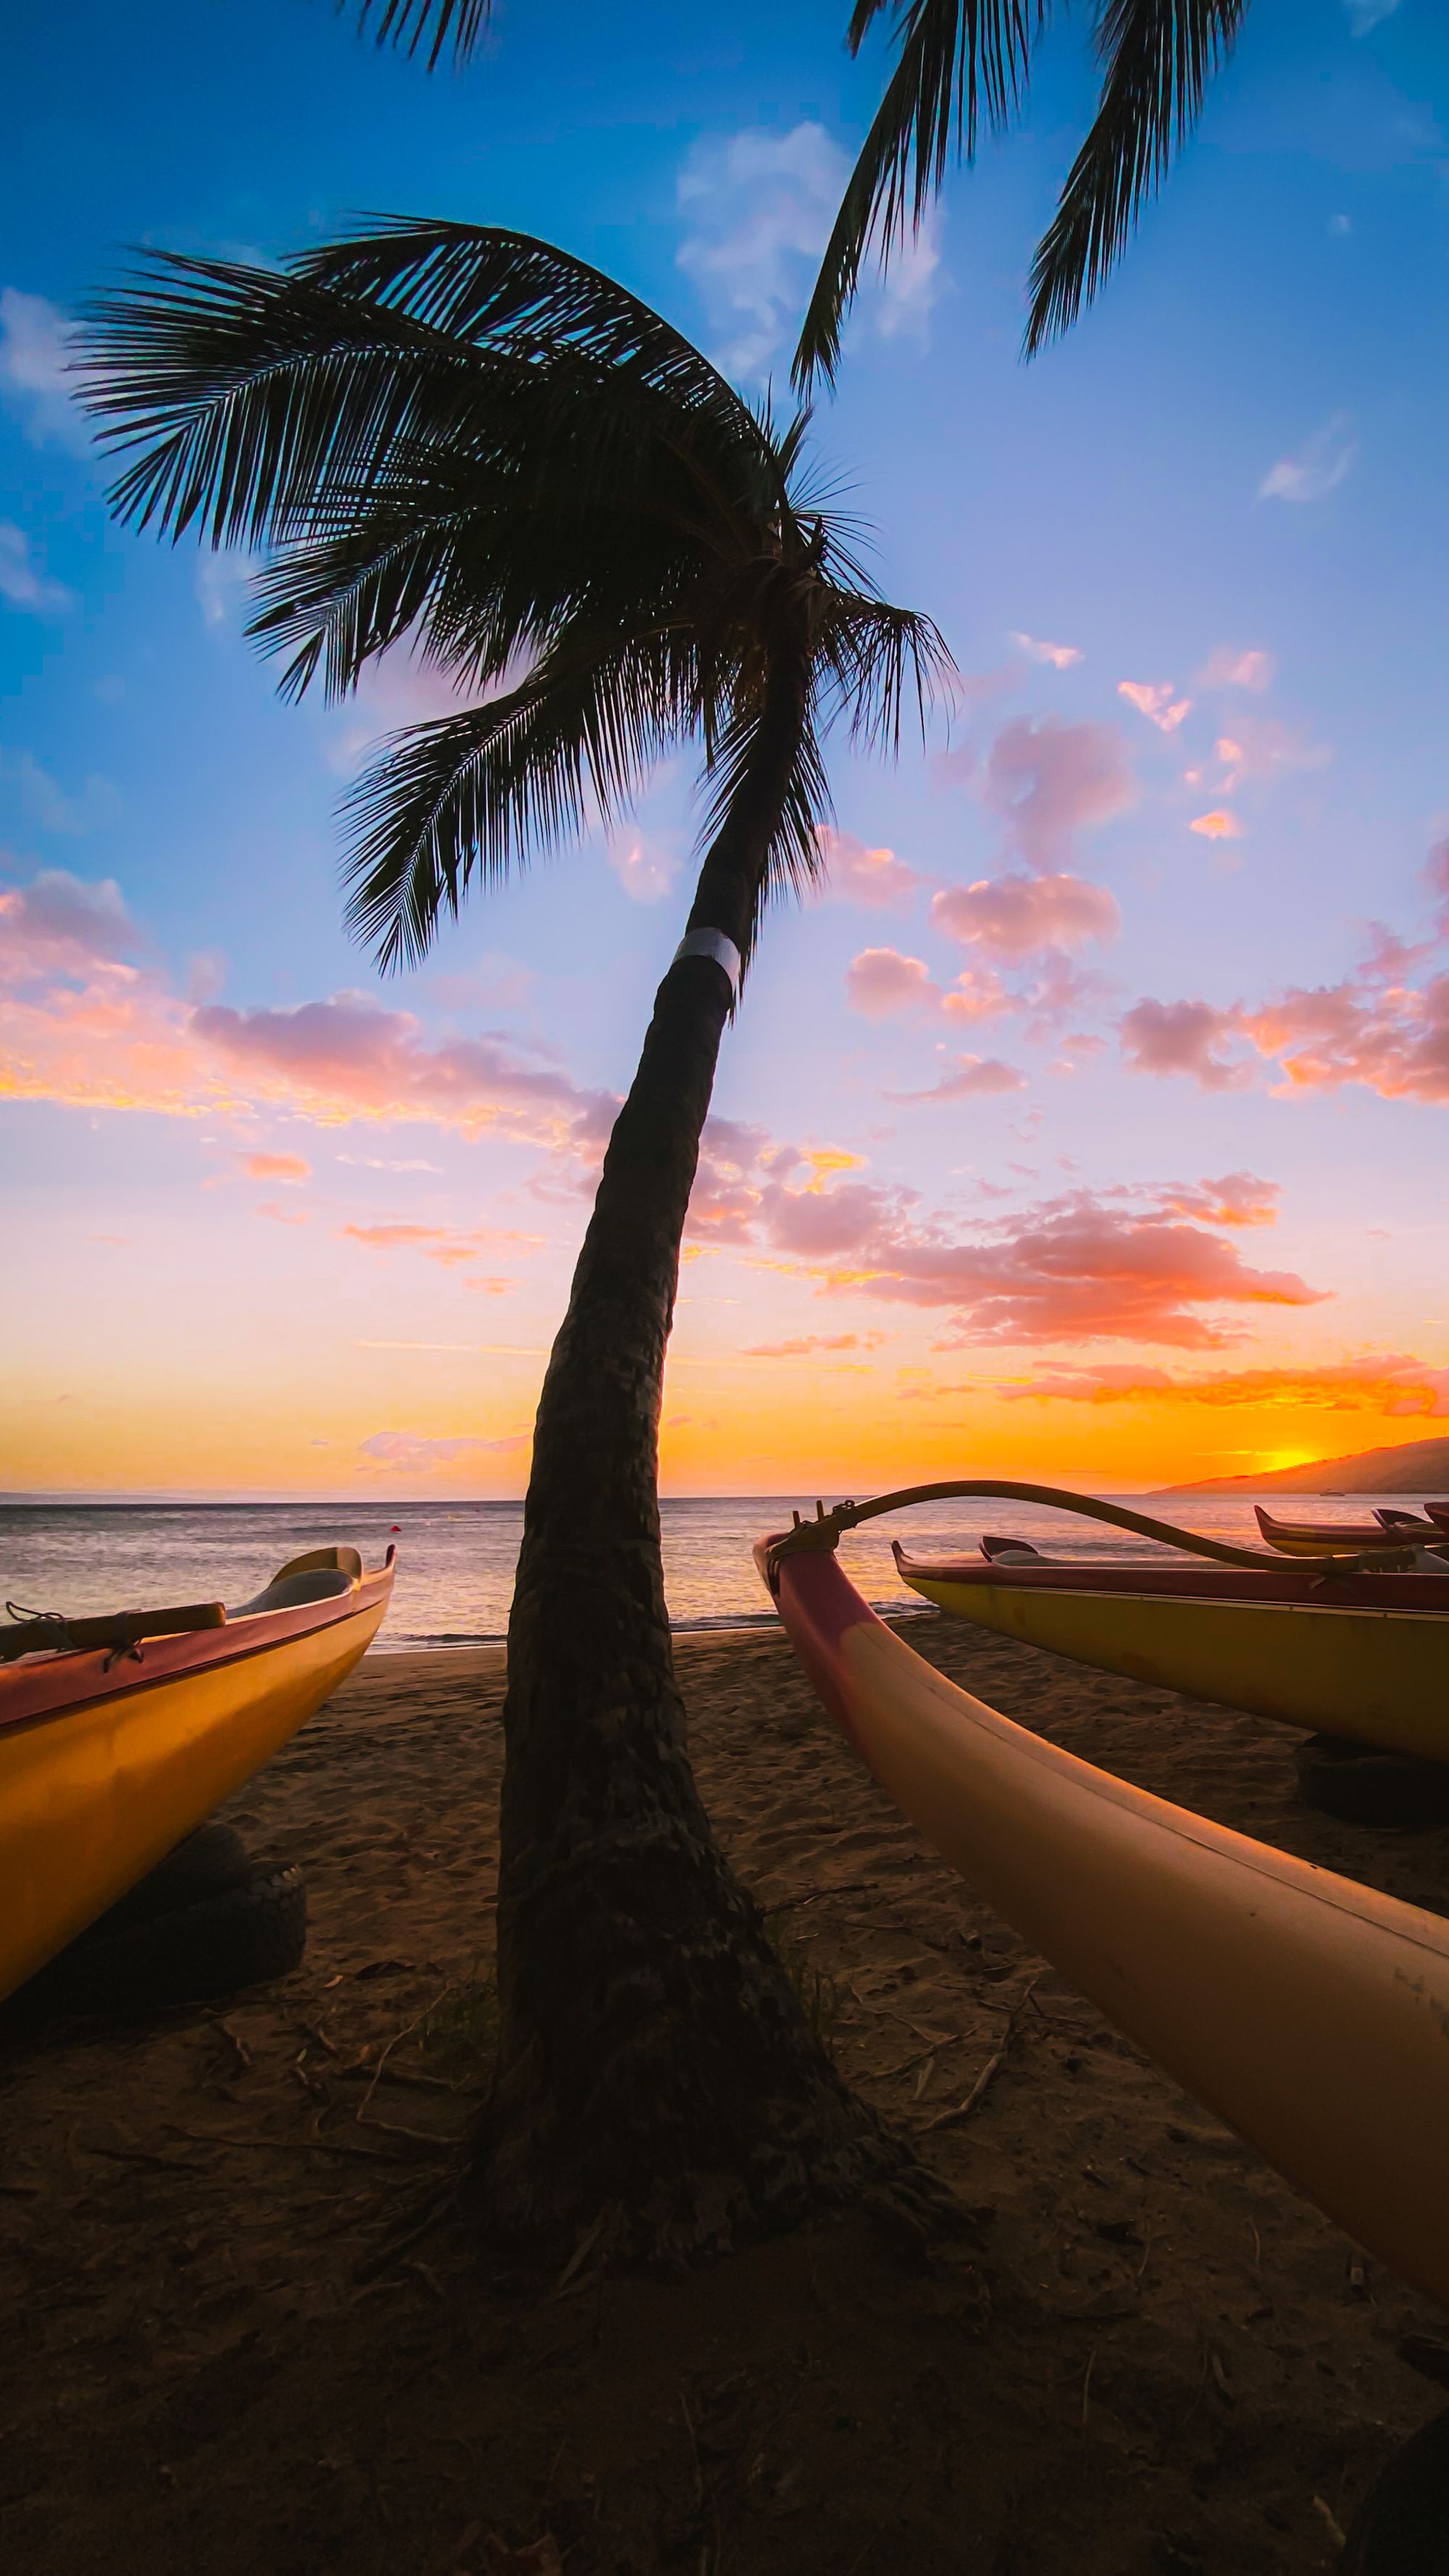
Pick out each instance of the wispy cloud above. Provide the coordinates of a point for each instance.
(1060, 656)
(34, 358)
(53, 808)
(758, 207)
(1388, 1383)
(416, 1453)
(1364, 15)
(1051, 781)
(21, 583)
(855, 874)
(1234, 666)
(645, 867)
(1316, 468)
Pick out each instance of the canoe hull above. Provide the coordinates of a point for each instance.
(93, 1796)
(1377, 1676)
(1255, 1980)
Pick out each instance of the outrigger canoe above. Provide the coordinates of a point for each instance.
(118, 1735)
(1362, 1654)
(1341, 1538)
(1311, 2014)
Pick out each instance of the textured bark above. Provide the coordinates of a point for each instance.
(656, 2069)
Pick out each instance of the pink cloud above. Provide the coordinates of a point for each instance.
(60, 924)
(351, 1058)
(292, 1168)
(1235, 667)
(1018, 916)
(83, 1026)
(1156, 702)
(974, 1075)
(1217, 826)
(1182, 1037)
(1050, 781)
(856, 874)
(280, 1215)
(882, 984)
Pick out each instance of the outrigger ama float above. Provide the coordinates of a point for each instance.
(118, 1735)
(1311, 2014)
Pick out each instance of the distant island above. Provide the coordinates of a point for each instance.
(1418, 1467)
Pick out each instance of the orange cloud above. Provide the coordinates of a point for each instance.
(1217, 826)
(447, 1245)
(84, 1026)
(1388, 1384)
(292, 1168)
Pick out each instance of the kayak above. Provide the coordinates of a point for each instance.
(1334, 1538)
(1311, 2014)
(118, 1735)
(1363, 1655)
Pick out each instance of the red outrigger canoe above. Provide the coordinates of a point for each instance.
(118, 1735)
(1309, 2013)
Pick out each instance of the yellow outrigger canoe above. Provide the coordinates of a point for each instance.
(1355, 1647)
(118, 1735)
(1309, 2013)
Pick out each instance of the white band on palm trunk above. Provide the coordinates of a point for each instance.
(715, 944)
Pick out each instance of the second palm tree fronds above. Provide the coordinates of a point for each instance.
(959, 62)
(468, 441)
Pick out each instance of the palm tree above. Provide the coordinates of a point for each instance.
(958, 59)
(955, 60)
(470, 440)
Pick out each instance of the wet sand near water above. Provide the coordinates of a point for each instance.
(1146, 2358)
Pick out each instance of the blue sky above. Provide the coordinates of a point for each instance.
(1223, 495)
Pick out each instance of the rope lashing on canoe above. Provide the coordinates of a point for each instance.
(827, 1527)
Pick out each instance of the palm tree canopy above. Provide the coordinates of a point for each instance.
(465, 440)
(958, 61)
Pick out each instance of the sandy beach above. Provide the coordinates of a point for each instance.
(1146, 2356)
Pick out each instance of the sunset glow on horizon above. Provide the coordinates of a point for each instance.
(1087, 1127)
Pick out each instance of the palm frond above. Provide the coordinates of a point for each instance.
(1158, 56)
(882, 661)
(956, 60)
(412, 24)
(477, 793)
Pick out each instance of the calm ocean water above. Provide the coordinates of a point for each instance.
(456, 1560)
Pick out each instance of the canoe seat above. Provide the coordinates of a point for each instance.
(291, 1591)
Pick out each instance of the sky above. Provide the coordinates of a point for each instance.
(1090, 1125)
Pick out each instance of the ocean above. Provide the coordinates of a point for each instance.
(456, 1559)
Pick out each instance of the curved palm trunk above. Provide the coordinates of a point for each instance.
(655, 2062)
